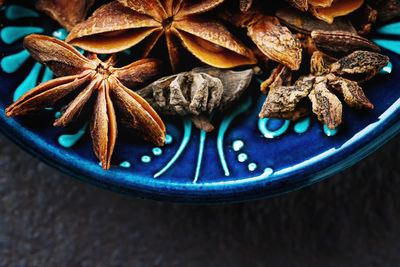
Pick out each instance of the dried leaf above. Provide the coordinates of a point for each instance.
(325, 104)
(359, 66)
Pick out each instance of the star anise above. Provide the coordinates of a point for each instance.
(122, 24)
(66, 12)
(107, 85)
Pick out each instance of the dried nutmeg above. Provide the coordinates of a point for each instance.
(359, 66)
(325, 104)
(340, 43)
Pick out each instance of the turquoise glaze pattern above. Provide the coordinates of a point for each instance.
(230, 149)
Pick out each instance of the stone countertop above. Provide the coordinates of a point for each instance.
(49, 219)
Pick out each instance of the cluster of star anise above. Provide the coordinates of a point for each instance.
(207, 29)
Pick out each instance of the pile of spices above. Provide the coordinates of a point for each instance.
(313, 51)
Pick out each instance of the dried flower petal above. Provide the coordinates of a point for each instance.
(67, 12)
(339, 43)
(359, 66)
(353, 94)
(325, 104)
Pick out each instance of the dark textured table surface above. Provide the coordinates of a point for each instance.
(50, 219)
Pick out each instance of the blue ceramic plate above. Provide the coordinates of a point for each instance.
(244, 158)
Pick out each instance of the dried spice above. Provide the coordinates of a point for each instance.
(320, 63)
(299, 4)
(325, 104)
(274, 40)
(359, 66)
(333, 8)
(108, 86)
(305, 23)
(352, 93)
(307, 43)
(125, 23)
(197, 93)
(387, 9)
(283, 100)
(245, 5)
(364, 18)
(339, 43)
(280, 76)
(66, 12)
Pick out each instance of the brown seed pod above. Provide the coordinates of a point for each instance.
(305, 23)
(339, 43)
(320, 63)
(274, 40)
(325, 104)
(336, 9)
(280, 76)
(352, 93)
(282, 100)
(301, 5)
(387, 9)
(359, 66)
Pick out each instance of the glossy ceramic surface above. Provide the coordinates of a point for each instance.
(244, 158)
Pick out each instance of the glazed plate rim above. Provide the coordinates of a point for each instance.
(303, 174)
